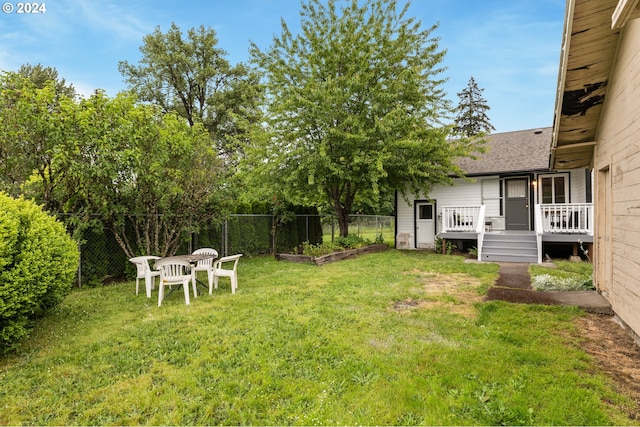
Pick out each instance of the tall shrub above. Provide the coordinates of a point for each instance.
(38, 262)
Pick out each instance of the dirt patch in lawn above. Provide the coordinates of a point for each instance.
(616, 353)
(457, 292)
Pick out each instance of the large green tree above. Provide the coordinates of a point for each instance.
(36, 119)
(471, 114)
(149, 177)
(355, 103)
(191, 76)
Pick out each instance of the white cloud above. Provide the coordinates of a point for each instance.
(119, 21)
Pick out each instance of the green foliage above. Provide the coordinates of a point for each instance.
(191, 76)
(319, 249)
(38, 262)
(38, 131)
(567, 276)
(148, 177)
(351, 241)
(547, 282)
(449, 247)
(354, 105)
(42, 76)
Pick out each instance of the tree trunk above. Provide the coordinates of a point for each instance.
(342, 208)
(343, 219)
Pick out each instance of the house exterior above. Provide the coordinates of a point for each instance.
(509, 204)
(597, 125)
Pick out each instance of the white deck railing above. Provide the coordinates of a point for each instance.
(566, 218)
(461, 218)
(569, 218)
(468, 219)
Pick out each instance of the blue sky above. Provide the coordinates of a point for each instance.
(511, 47)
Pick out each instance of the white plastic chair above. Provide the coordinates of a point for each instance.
(145, 272)
(219, 271)
(174, 272)
(204, 265)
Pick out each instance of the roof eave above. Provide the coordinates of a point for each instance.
(562, 75)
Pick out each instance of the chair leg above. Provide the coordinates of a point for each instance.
(160, 294)
(210, 279)
(185, 285)
(137, 285)
(148, 282)
(194, 285)
(215, 282)
(194, 282)
(234, 282)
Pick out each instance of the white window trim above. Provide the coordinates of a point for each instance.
(553, 175)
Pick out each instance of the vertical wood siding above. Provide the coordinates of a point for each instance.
(618, 149)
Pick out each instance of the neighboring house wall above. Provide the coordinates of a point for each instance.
(617, 184)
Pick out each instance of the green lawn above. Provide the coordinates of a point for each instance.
(400, 337)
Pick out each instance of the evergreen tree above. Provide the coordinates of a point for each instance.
(41, 75)
(471, 118)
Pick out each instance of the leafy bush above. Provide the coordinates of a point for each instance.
(38, 262)
(352, 241)
(320, 249)
(448, 246)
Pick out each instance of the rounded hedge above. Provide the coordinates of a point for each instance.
(38, 262)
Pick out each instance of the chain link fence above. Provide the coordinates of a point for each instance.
(103, 261)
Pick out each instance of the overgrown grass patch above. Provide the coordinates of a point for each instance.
(305, 345)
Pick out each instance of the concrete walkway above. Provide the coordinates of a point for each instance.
(514, 285)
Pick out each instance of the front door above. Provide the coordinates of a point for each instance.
(425, 225)
(517, 204)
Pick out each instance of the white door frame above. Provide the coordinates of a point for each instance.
(424, 223)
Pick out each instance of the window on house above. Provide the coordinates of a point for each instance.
(425, 212)
(554, 189)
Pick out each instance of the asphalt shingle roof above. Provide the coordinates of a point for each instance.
(510, 152)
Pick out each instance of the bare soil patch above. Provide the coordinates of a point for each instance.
(617, 354)
(457, 292)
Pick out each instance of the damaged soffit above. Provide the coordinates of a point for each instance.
(588, 49)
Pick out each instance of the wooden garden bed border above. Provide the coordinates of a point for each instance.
(333, 257)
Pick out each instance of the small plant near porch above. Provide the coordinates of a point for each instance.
(567, 276)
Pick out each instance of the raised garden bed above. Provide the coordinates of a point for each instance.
(334, 256)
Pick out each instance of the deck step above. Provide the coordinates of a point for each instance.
(510, 248)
